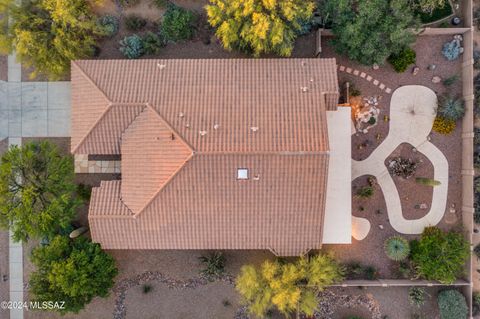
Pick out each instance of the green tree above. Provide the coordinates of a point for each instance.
(440, 255)
(429, 5)
(287, 286)
(74, 271)
(259, 26)
(48, 34)
(37, 196)
(369, 31)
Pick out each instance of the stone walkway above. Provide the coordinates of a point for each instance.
(365, 76)
(412, 112)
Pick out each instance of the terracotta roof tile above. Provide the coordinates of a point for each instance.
(268, 116)
(151, 154)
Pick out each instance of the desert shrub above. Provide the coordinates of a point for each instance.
(429, 5)
(73, 271)
(404, 270)
(452, 305)
(427, 181)
(47, 35)
(476, 59)
(132, 47)
(84, 192)
(134, 22)
(451, 50)
(128, 3)
(476, 304)
(416, 296)
(451, 108)
(152, 43)
(476, 251)
(369, 31)
(109, 25)
(37, 192)
(403, 167)
(450, 80)
(146, 289)
(476, 214)
(214, 264)
(443, 126)
(365, 192)
(439, 255)
(401, 60)
(371, 273)
(257, 26)
(178, 23)
(287, 286)
(397, 248)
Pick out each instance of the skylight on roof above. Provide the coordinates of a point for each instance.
(242, 173)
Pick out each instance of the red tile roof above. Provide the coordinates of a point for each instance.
(184, 127)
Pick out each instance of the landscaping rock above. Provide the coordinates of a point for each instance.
(415, 70)
(436, 79)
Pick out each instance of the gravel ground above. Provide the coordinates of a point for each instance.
(392, 302)
(4, 269)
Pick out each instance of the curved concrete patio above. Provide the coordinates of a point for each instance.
(412, 112)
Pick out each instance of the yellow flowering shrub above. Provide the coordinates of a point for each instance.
(443, 126)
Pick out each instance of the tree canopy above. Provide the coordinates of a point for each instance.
(369, 31)
(37, 196)
(48, 34)
(259, 26)
(440, 255)
(73, 271)
(287, 286)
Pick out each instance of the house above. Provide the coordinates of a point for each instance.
(216, 153)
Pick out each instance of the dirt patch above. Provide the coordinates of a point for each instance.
(412, 194)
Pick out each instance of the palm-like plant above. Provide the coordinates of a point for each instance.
(397, 248)
(214, 264)
(416, 296)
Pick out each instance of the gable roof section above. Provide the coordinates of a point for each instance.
(151, 155)
(234, 105)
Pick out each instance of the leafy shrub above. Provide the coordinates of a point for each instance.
(427, 181)
(109, 25)
(178, 23)
(371, 273)
(132, 47)
(451, 108)
(397, 248)
(214, 264)
(452, 305)
(450, 80)
(365, 192)
(476, 59)
(400, 166)
(135, 23)
(451, 50)
(404, 270)
(439, 255)
(287, 286)
(416, 296)
(476, 304)
(401, 60)
(74, 271)
(84, 191)
(430, 5)
(152, 43)
(476, 214)
(443, 126)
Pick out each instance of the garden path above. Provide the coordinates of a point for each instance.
(412, 112)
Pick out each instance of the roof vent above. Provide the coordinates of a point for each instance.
(216, 126)
(161, 66)
(181, 115)
(254, 128)
(242, 173)
(304, 89)
(202, 133)
(187, 125)
(256, 177)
